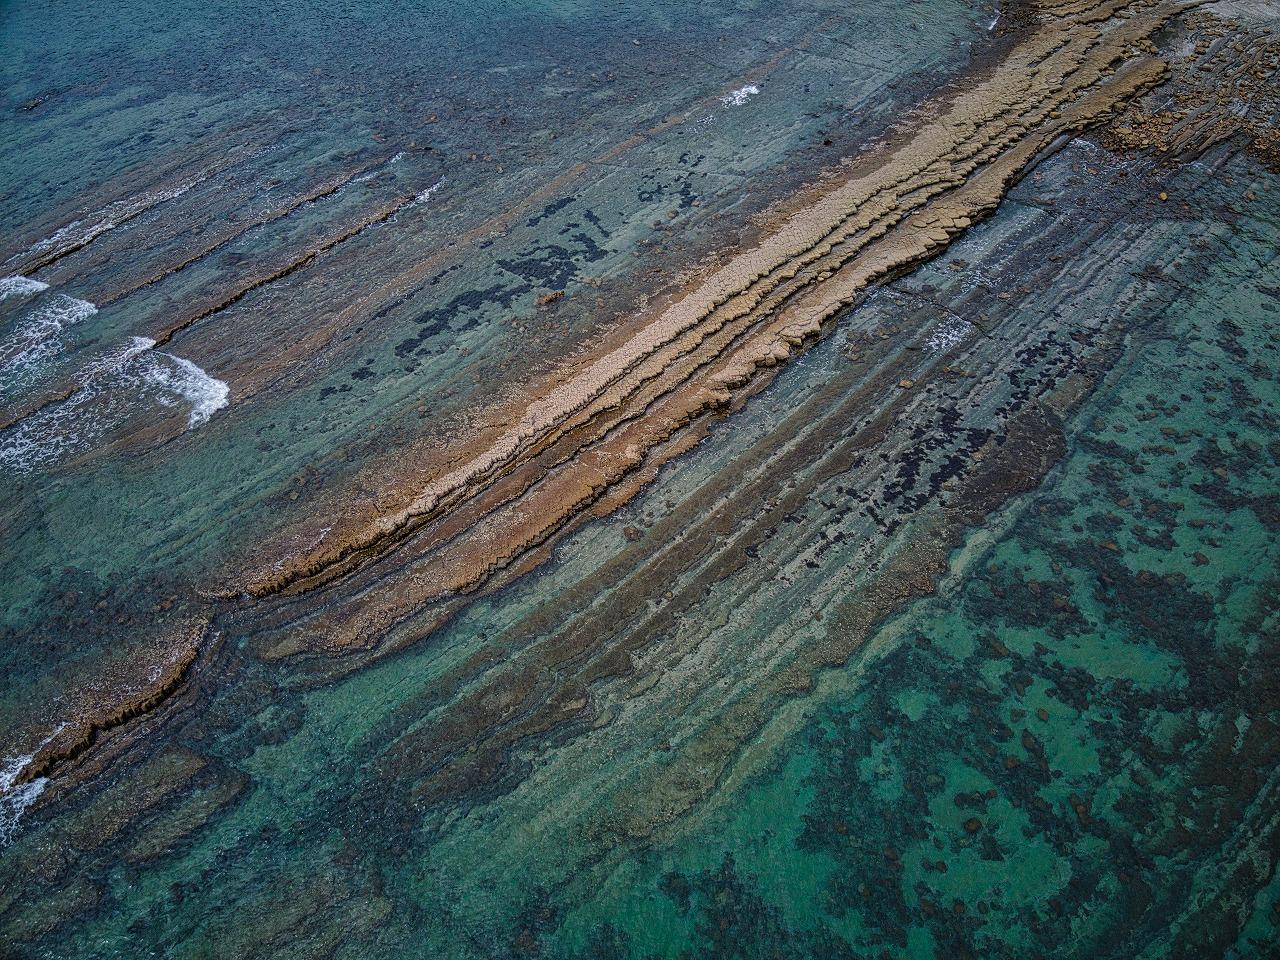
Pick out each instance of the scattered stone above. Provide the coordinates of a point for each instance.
(1081, 809)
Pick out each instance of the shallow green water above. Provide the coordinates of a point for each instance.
(1069, 750)
(520, 93)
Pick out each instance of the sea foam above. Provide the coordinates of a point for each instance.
(36, 337)
(947, 333)
(15, 798)
(740, 96)
(113, 388)
(426, 194)
(79, 232)
(20, 287)
(179, 376)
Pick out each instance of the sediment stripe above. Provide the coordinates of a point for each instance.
(49, 251)
(74, 739)
(203, 312)
(224, 300)
(698, 548)
(405, 283)
(319, 192)
(753, 313)
(594, 436)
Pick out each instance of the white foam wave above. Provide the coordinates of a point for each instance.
(950, 331)
(78, 421)
(80, 232)
(16, 798)
(112, 388)
(180, 376)
(114, 362)
(740, 96)
(20, 287)
(14, 801)
(36, 337)
(426, 194)
(365, 177)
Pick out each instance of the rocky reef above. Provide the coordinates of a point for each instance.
(879, 561)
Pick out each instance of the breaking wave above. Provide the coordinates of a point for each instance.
(16, 798)
(179, 377)
(37, 336)
(740, 96)
(20, 286)
(113, 388)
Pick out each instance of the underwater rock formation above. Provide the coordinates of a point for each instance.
(826, 548)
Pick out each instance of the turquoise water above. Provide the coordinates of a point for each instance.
(727, 720)
(1069, 752)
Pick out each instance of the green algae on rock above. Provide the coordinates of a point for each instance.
(953, 635)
